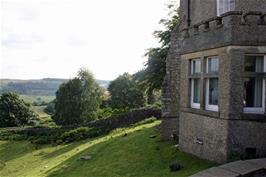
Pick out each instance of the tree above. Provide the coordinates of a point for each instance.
(14, 111)
(151, 77)
(78, 100)
(50, 108)
(125, 93)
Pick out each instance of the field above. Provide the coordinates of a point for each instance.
(113, 155)
(45, 119)
(37, 98)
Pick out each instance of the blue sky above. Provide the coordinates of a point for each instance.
(54, 38)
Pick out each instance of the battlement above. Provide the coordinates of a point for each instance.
(232, 28)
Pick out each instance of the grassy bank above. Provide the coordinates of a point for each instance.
(113, 155)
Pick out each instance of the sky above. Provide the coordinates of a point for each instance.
(54, 38)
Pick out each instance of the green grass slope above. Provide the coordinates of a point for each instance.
(44, 118)
(113, 155)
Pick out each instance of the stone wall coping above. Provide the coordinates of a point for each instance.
(254, 167)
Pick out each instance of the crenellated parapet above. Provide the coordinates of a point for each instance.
(232, 28)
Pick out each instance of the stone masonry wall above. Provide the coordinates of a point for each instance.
(126, 119)
(203, 136)
(170, 94)
(251, 5)
(243, 135)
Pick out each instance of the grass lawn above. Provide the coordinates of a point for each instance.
(113, 155)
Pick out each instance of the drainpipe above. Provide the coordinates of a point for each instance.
(188, 13)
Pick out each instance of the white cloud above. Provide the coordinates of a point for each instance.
(55, 38)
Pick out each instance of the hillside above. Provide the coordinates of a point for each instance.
(113, 155)
(41, 87)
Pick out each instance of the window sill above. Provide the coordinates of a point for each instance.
(213, 114)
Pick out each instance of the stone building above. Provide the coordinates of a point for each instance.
(214, 91)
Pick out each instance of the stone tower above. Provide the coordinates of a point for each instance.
(215, 89)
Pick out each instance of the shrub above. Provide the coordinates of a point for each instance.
(109, 112)
(80, 133)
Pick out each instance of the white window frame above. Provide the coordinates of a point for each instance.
(191, 66)
(258, 110)
(209, 106)
(226, 3)
(207, 63)
(192, 103)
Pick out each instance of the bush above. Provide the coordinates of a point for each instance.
(15, 111)
(80, 133)
(109, 112)
(55, 135)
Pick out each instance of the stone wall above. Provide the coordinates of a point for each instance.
(244, 135)
(251, 5)
(201, 10)
(207, 134)
(233, 28)
(170, 92)
(126, 119)
(203, 136)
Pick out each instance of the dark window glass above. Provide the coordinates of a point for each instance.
(213, 91)
(253, 93)
(254, 63)
(196, 91)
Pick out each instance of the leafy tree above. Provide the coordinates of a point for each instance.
(125, 93)
(151, 77)
(78, 100)
(14, 111)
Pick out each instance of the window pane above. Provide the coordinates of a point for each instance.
(213, 65)
(196, 91)
(254, 63)
(253, 94)
(225, 6)
(196, 67)
(213, 91)
(232, 4)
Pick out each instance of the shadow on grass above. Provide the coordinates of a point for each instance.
(10, 150)
(133, 155)
(97, 150)
(61, 151)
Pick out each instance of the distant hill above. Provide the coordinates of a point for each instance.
(46, 86)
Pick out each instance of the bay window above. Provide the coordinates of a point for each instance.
(254, 85)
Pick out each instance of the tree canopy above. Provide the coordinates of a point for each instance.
(77, 100)
(152, 76)
(125, 93)
(15, 111)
